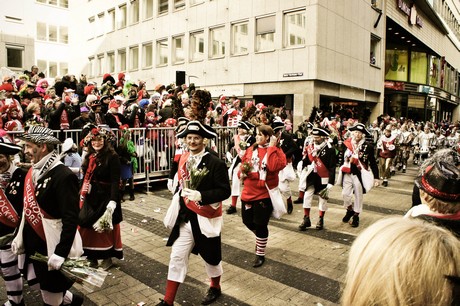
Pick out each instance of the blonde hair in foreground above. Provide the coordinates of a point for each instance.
(397, 262)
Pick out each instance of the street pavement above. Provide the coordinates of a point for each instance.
(301, 268)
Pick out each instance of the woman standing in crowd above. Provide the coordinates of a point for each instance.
(128, 159)
(259, 170)
(99, 198)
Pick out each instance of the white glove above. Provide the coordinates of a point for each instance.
(192, 195)
(111, 206)
(16, 248)
(329, 186)
(55, 262)
(170, 185)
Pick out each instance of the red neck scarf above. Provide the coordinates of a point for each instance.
(85, 188)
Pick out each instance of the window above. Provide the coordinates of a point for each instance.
(42, 66)
(14, 56)
(111, 62)
(197, 46)
(217, 43)
(64, 3)
(91, 27)
(435, 66)
(397, 62)
(240, 38)
(100, 24)
(295, 29)
(41, 31)
(63, 68)
(148, 9)
(193, 2)
(178, 4)
(122, 16)
(147, 55)
(63, 35)
(178, 49)
(111, 20)
(53, 69)
(91, 66)
(265, 33)
(162, 7)
(122, 60)
(374, 56)
(162, 52)
(52, 33)
(134, 58)
(134, 7)
(100, 64)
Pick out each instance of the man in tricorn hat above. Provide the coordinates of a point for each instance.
(198, 224)
(321, 161)
(51, 192)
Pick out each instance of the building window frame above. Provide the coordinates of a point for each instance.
(147, 9)
(162, 48)
(295, 33)
(134, 12)
(196, 45)
(121, 59)
(375, 53)
(147, 59)
(240, 42)
(265, 33)
(163, 7)
(110, 62)
(123, 16)
(217, 43)
(134, 58)
(178, 47)
(15, 56)
(112, 21)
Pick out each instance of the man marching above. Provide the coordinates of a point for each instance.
(320, 162)
(50, 192)
(198, 222)
(386, 146)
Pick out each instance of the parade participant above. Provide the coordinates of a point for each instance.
(100, 195)
(11, 194)
(197, 226)
(287, 174)
(439, 188)
(180, 148)
(259, 171)
(358, 155)
(399, 261)
(241, 142)
(424, 142)
(50, 196)
(386, 147)
(404, 147)
(301, 170)
(321, 162)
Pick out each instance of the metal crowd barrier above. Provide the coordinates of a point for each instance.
(155, 149)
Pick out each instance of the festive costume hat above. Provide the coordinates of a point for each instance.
(319, 132)
(40, 134)
(8, 148)
(361, 128)
(441, 181)
(196, 127)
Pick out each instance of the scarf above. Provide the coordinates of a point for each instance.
(40, 168)
(86, 186)
(8, 215)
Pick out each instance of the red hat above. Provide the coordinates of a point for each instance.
(11, 126)
(113, 104)
(88, 89)
(222, 98)
(121, 75)
(6, 87)
(260, 106)
(150, 114)
(170, 121)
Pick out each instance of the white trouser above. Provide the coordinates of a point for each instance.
(352, 185)
(285, 189)
(10, 271)
(52, 298)
(308, 198)
(180, 254)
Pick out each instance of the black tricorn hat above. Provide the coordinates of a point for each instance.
(441, 181)
(196, 127)
(8, 148)
(245, 125)
(319, 132)
(361, 128)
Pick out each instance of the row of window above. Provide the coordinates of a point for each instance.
(294, 33)
(58, 3)
(52, 33)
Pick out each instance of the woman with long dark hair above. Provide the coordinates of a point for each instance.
(100, 214)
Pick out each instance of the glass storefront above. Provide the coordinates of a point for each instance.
(396, 65)
(418, 67)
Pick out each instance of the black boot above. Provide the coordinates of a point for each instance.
(355, 221)
(320, 224)
(289, 207)
(259, 261)
(211, 295)
(348, 215)
(231, 210)
(305, 223)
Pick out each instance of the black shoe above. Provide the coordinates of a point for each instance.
(231, 210)
(355, 221)
(211, 295)
(131, 198)
(163, 303)
(305, 223)
(298, 201)
(404, 171)
(385, 183)
(289, 208)
(77, 300)
(348, 215)
(320, 224)
(259, 261)
(392, 173)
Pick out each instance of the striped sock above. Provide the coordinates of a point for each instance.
(261, 243)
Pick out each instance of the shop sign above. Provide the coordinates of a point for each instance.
(394, 85)
(411, 12)
(292, 74)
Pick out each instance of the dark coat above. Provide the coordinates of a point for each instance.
(57, 195)
(328, 158)
(14, 191)
(214, 188)
(105, 187)
(112, 122)
(55, 115)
